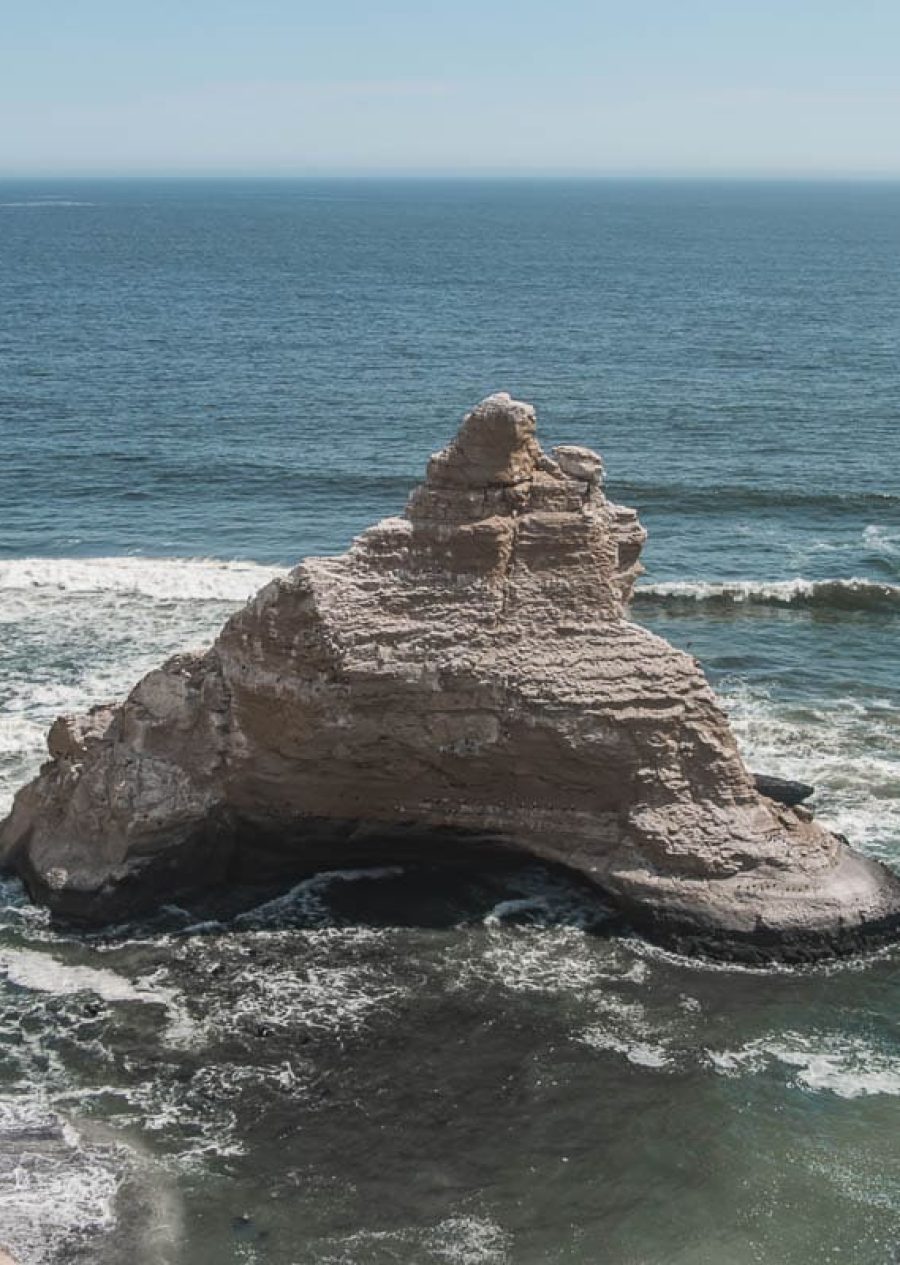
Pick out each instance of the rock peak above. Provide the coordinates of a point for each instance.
(530, 529)
(494, 447)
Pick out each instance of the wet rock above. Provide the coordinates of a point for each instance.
(465, 679)
(783, 790)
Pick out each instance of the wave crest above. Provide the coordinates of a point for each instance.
(840, 595)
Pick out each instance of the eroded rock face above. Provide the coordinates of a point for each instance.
(465, 676)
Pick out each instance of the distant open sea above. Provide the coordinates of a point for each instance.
(203, 381)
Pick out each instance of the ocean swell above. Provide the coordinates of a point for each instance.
(730, 499)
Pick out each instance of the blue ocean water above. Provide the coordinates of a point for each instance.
(202, 382)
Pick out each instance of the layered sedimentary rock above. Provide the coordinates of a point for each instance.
(464, 679)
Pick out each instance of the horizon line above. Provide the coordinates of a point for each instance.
(464, 174)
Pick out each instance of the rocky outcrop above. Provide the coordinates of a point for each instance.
(464, 679)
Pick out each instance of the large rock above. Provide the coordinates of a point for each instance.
(464, 678)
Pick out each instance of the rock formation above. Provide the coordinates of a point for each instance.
(464, 679)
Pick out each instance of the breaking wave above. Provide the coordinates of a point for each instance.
(164, 578)
(837, 595)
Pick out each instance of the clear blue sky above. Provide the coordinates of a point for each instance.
(641, 86)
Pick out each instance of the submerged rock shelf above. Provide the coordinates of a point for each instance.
(465, 678)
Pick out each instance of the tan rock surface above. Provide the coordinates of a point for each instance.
(464, 676)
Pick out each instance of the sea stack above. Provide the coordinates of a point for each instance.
(465, 679)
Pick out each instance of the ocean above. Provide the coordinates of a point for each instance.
(201, 382)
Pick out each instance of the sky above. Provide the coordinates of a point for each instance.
(638, 87)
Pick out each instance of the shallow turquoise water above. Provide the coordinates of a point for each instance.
(202, 382)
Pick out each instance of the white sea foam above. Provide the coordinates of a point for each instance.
(882, 540)
(604, 983)
(527, 959)
(193, 579)
(847, 748)
(84, 630)
(19, 735)
(469, 1240)
(327, 979)
(192, 1117)
(322, 996)
(649, 1054)
(52, 1187)
(46, 974)
(461, 1239)
(847, 1067)
(41, 972)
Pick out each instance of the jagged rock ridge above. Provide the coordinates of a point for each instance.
(464, 678)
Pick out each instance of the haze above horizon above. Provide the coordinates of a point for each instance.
(778, 89)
